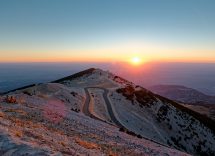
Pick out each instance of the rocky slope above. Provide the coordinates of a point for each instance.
(97, 113)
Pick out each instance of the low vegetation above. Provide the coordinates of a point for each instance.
(86, 144)
(10, 99)
(74, 94)
(144, 97)
(208, 122)
(27, 93)
(122, 129)
(127, 92)
(2, 114)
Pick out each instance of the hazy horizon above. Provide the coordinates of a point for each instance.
(194, 75)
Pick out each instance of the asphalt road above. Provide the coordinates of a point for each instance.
(86, 110)
(107, 102)
(110, 111)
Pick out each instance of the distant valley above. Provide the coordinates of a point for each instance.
(183, 94)
(188, 97)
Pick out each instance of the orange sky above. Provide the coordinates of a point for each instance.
(109, 55)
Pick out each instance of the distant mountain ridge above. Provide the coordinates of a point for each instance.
(182, 94)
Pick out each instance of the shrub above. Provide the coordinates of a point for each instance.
(10, 99)
(86, 144)
(27, 93)
(75, 110)
(1, 114)
(18, 134)
(74, 93)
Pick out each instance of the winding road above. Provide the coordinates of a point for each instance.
(86, 106)
(87, 112)
(107, 102)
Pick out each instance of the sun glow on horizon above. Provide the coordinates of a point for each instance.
(136, 60)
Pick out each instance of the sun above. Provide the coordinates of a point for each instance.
(136, 60)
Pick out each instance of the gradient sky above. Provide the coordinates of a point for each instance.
(107, 30)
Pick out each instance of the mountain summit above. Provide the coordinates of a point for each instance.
(95, 112)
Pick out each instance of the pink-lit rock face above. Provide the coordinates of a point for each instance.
(54, 110)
